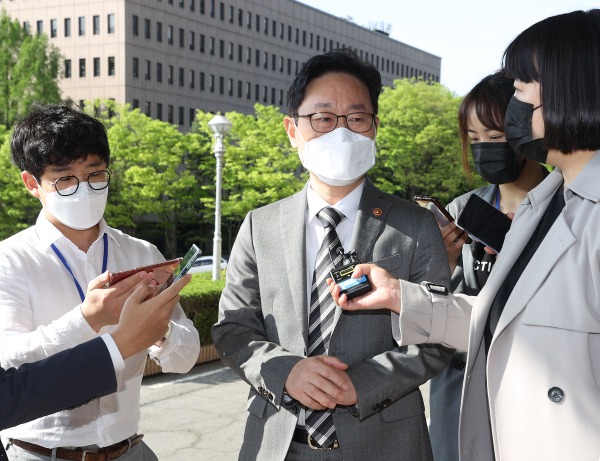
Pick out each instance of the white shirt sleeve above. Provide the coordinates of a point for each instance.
(115, 355)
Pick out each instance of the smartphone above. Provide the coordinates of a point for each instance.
(442, 216)
(186, 262)
(163, 273)
(484, 223)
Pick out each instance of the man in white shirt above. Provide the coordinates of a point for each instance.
(63, 155)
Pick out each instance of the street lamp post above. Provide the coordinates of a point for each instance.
(220, 126)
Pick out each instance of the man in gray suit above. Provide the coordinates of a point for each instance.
(326, 384)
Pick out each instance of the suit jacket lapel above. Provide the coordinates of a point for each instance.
(372, 211)
(292, 217)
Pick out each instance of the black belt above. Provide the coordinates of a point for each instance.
(301, 436)
(98, 454)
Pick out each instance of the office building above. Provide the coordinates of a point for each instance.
(171, 57)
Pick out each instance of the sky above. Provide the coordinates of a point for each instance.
(469, 35)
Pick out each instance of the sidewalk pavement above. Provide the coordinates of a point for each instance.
(199, 415)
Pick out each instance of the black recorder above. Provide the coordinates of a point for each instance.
(342, 275)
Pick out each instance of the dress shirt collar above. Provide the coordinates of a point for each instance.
(348, 205)
(49, 234)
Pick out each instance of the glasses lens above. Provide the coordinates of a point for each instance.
(359, 122)
(67, 185)
(99, 180)
(323, 122)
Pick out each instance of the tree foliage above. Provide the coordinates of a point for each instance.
(28, 70)
(418, 143)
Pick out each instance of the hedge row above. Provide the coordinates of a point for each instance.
(200, 302)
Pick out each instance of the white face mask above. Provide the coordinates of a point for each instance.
(339, 157)
(82, 210)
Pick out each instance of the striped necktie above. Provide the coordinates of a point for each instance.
(319, 423)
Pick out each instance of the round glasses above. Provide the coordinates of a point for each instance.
(324, 122)
(68, 185)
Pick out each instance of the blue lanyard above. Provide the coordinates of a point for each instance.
(64, 261)
(498, 198)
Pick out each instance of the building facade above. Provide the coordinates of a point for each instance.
(172, 57)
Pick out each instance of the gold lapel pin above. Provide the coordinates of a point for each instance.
(377, 211)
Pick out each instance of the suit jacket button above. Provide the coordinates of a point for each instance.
(458, 364)
(376, 407)
(556, 394)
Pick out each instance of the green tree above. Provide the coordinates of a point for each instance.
(18, 209)
(28, 70)
(418, 143)
(260, 164)
(152, 186)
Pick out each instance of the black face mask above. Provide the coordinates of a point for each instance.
(517, 129)
(496, 162)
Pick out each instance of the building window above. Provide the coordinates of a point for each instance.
(148, 108)
(248, 90)
(181, 3)
(240, 17)
(81, 21)
(192, 79)
(159, 111)
(281, 97)
(266, 26)
(181, 76)
(239, 89)
(147, 69)
(181, 38)
(170, 35)
(289, 33)
(181, 116)
(82, 67)
(96, 67)
(257, 22)
(27, 27)
(159, 32)
(272, 96)
(68, 70)
(249, 57)
(257, 92)
(192, 116)
(39, 26)
(95, 24)
(221, 48)
(265, 90)
(273, 62)
(249, 23)
(230, 51)
(147, 31)
(221, 85)
(266, 60)
(230, 87)
(212, 8)
(202, 39)
(111, 65)
(53, 28)
(274, 28)
(222, 11)
(67, 27)
(170, 113)
(211, 84)
(159, 72)
(257, 58)
(212, 46)
(192, 5)
(202, 11)
(240, 53)
(170, 76)
(231, 14)
(201, 81)
(136, 68)
(135, 104)
(303, 38)
(135, 24)
(192, 39)
(110, 21)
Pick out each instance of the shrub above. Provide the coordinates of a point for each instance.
(200, 302)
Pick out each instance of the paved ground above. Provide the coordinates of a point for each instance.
(196, 416)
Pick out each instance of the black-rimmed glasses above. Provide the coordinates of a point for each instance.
(324, 122)
(68, 185)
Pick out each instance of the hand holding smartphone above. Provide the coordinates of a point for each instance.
(165, 273)
(484, 223)
(442, 216)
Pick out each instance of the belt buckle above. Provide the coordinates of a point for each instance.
(333, 446)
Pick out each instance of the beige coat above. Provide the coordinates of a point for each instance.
(543, 369)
